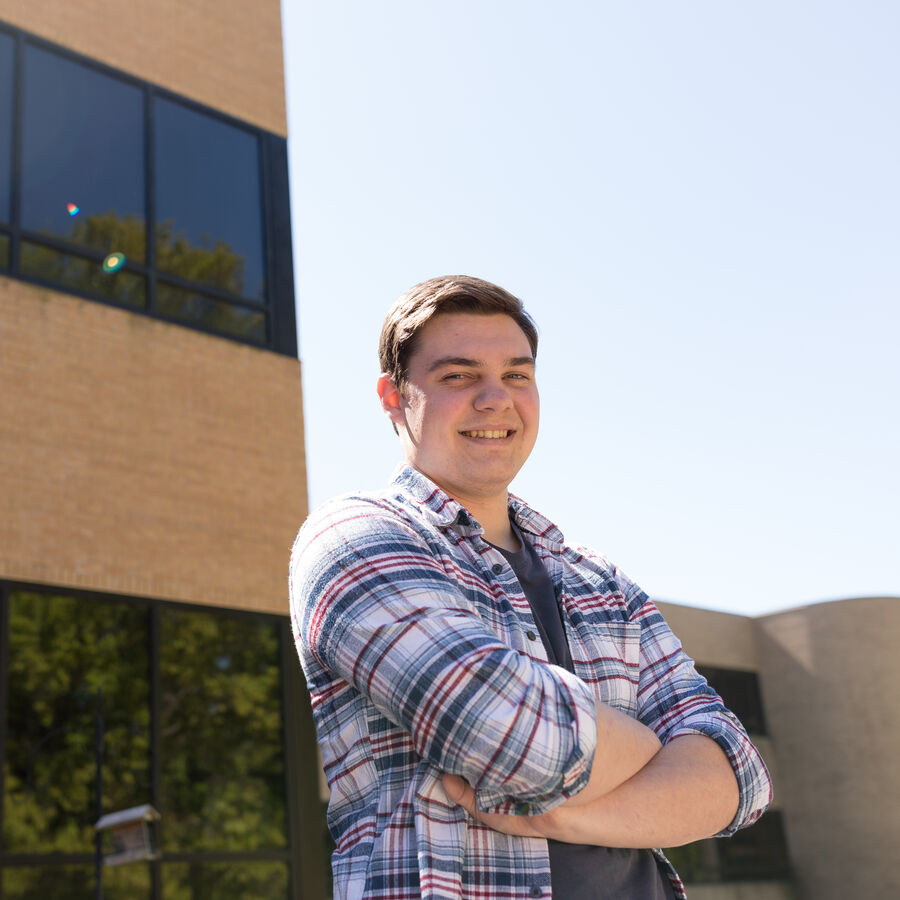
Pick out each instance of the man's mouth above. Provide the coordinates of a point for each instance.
(491, 435)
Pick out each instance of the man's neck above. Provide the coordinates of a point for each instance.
(490, 509)
(494, 519)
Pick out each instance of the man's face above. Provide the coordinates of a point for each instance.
(468, 414)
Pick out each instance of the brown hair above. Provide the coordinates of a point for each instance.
(447, 294)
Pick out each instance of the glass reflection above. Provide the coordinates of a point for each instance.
(221, 731)
(189, 306)
(83, 144)
(208, 201)
(224, 881)
(757, 853)
(7, 48)
(75, 883)
(62, 651)
(80, 274)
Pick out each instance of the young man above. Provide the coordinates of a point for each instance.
(501, 714)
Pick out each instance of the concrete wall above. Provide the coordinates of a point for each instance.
(829, 675)
(143, 458)
(750, 890)
(713, 638)
(224, 53)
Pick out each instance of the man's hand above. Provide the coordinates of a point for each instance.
(686, 792)
(460, 792)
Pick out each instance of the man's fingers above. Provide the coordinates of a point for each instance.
(459, 791)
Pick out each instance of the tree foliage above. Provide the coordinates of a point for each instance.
(220, 734)
(207, 264)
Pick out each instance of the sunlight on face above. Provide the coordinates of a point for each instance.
(468, 415)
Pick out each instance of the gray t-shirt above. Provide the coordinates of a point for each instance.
(579, 871)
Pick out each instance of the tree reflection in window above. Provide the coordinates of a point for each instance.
(62, 650)
(78, 273)
(757, 853)
(208, 198)
(221, 733)
(225, 881)
(217, 315)
(130, 882)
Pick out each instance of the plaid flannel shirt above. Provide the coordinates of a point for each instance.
(421, 656)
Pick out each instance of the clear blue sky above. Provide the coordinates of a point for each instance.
(700, 205)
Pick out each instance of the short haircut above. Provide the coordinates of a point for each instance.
(447, 294)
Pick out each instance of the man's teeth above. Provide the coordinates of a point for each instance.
(487, 434)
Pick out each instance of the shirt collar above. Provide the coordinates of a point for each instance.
(441, 510)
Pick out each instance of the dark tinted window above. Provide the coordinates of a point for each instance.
(741, 693)
(94, 164)
(66, 655)
(83, 155)
(217, 315)
(208, 201)
(7, 47)
(81, 274)
(757, 853)
(225, 881)
(131, 882)
(220, 707)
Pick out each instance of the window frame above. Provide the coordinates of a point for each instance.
(277, 252)
(303, 811)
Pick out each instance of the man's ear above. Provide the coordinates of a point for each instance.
(389, 394)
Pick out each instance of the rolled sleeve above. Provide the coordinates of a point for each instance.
(754, 783)
(674, 700)
(373, 605)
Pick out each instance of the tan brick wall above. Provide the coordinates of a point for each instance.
(143, 458)
(224, 53)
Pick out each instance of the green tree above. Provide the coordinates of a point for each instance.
(221, 729)
(62, 651)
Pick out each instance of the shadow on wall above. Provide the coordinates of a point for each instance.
(829, 674)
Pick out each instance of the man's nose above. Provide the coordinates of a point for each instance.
(493, 395)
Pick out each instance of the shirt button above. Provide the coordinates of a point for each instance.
(535, 891)
(531, 635)
(496, 568)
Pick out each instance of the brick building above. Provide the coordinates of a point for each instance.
(152, 472)
(152, 478)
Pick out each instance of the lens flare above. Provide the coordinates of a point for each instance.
(113, 262)
(72, 209)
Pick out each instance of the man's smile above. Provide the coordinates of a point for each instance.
(493, 435)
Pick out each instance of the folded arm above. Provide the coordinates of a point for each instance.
(624, 747)
(686, 792)
(708, 779)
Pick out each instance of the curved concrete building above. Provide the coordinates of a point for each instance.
(829, 675)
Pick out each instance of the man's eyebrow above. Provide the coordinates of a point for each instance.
(477, 363)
